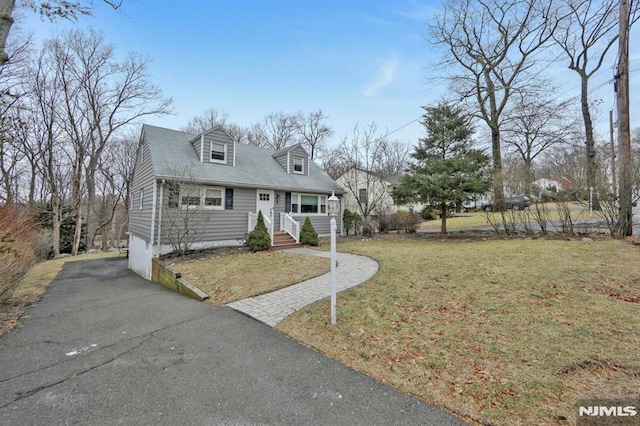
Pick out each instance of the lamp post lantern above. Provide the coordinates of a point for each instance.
(333, 209)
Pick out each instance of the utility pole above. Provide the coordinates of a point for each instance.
(624, 131)
(614, 178)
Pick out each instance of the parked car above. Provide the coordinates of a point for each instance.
(516, 202)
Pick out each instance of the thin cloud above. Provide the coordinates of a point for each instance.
(386, 76)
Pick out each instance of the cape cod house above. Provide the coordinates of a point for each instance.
(206, 190)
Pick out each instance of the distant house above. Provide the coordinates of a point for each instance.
(206, 190)
(555, 185)
(368, 192)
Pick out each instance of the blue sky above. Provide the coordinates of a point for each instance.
(358, 61)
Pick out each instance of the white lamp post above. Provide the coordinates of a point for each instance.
(333, 208)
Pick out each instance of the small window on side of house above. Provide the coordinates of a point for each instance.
(362, 195)
(298, 165)
(141, 201)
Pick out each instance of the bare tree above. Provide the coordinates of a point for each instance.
(313, 131)
(50, 9)
(586, 35)
(362, 155)
(534, 123)
(276, 131)
(489, 45)
(184, 211)
(102, 97)
(209, 119)
(115, 168)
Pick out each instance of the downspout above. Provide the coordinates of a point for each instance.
(153, 215)
(159, 240)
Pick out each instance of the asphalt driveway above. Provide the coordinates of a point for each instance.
(105, 346)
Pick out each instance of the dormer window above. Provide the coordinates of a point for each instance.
(218, 152)
(298, 165)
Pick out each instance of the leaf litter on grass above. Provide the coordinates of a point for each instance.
(484, 328)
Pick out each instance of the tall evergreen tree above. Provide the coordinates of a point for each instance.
(447, 170)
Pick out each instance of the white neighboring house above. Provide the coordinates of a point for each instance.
(368, 192)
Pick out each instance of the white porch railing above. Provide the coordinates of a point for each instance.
(290, 226)
(253, 221)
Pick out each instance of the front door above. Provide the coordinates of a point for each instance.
(265, 202)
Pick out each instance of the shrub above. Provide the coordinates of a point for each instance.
(351, 221)
(308, 235)
(429, 213)
(259, 239)
(16, 253)
(406, 221)
(384, 221)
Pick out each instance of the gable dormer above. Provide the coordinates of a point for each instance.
(294, 159)
(215, 146)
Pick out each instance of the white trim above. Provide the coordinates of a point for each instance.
(301, 172)
(234, 153)
(202, 148)
(224, 147)
(288, 162)
(299, 203)
(202, 189)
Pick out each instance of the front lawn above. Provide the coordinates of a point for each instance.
(231, 274)
(499, 332)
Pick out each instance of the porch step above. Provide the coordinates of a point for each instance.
(282, 240)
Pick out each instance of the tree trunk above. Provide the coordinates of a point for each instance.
(55, 220)
(498, 179)
(592, 162)
(77, 207)
(91, 202)
(6, 7)
(443, 218)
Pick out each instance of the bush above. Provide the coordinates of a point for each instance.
(16, 253)
(406, 221)
(429, 213)
(351, 221)
(385, 219)
(259, 239)
(308, 235)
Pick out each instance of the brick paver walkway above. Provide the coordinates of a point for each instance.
(271, 308)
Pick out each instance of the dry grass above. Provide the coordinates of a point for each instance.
(230, 277)
(479, 219)
(500, 332)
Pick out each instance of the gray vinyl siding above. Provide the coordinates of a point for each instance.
(282, 160)
(211, 225)
(321, 224)
(278, 207)
(219, 136)
(197, 146)
(299, 152)
(140, 220)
